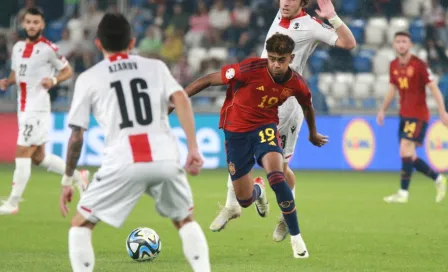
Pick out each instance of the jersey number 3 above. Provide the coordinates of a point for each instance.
(141, 101)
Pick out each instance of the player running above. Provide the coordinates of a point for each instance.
(306, 32)
(129, 97)
(249, 118)
(411, 76)
(34, 62)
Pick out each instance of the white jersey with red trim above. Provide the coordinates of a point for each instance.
(129, 96)
(32, 62)
(306, 32)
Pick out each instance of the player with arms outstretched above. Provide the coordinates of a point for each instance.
(34, 62)
(410, 75)
(249, 118)
(129, 97)
(306, 32)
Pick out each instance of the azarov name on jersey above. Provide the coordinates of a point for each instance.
(122, 66)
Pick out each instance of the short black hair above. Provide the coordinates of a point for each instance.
(114, 32)
(280, 44)
(35, 11)
(402, 33)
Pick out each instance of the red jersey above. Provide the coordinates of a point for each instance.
(253, 97)
(411, 80)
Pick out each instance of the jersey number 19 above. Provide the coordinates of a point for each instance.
(141, 101)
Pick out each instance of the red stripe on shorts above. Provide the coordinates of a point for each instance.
(141, 148)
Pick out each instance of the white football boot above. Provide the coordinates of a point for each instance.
(281, 230)
(441, 184)
(400, 197)
(261, 204)
(298, 247)
(225, 215)
(7, 208)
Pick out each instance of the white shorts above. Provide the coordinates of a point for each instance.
(290, 121)
(33, 128)
(114, 191)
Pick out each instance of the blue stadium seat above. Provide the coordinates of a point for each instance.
(349, 6)
(369, 103)
(313, 83)
(317, 60)
(362, 62)
(417, 30)
(137, 3)
(358, 29)
(53, 31)
(443, 84)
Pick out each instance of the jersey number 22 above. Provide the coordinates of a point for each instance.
(141, 101)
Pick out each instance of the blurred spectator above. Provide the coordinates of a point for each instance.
(70, 7)
(219, 21)
(161, 18)
(199, 26)
(3, 52)
(76, 27)
(389, 8)
(173, 47)
(92, 19)
(66, 46)
(182, 72)
(240, 20)
(435, 17)
(341, 60)
(180, 19)
(243, 49)
(84, 53)
(152, 42)
(151, 5)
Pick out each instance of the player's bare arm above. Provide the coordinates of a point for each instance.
(345, 39)
(314, 137)
(437, 94)
(74, 151)
(63, 75)
(186, 119)
(213, 79)
(6, 82)
(390, 95)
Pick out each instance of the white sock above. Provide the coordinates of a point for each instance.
(195, 247)
(22, 174)
(403, 193)
(294, 192)
(80, 249)
(231, 200)
(56, 165)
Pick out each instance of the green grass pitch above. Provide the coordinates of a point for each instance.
(345, 223)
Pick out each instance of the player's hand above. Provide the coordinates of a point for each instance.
(380, 118)
(326, 9)
(318, 139)
(194, 162)
(444, 118)
(4, 84)
(47, 83)
(66, 197)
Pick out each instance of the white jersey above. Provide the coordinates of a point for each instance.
(128, 96)
(306, 32)
(32, 62)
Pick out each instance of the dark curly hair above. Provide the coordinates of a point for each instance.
(280, 44)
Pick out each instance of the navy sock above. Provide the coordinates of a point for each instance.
(406, 172)
(255, 195)
(285, 200)
(421, 166)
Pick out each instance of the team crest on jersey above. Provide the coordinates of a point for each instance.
(232, 170)
(410, 71)
(230, 73)
(286, 92)
(395, 73)
(296, 25)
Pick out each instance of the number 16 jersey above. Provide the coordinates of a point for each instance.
(129, 96)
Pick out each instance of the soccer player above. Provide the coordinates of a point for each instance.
(34, 62)
(129, 97)
(249, 118)
(411, 76)
(306, 32)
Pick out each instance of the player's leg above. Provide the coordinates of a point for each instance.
(439, 179)
(56, 165)
(80, 247)
(174, 200)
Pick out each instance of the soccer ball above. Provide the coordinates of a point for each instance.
(143, 244)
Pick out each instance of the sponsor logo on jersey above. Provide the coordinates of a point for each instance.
(230, 73)
(293, 128)
(296, 25)
(436, 146)
(261, 88)
(358, 144)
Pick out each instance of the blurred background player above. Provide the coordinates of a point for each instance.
(411, 76)
(129, 96)
(33, 65)
(249, 118)
(306, 32)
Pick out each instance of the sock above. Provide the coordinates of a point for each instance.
(56, 165)
(80, 249)
(406, 172)
(195, 247)
(421, 166)
(22, 174)
(293, 190)
(256, 194)
(285, 200)
(231, 200)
